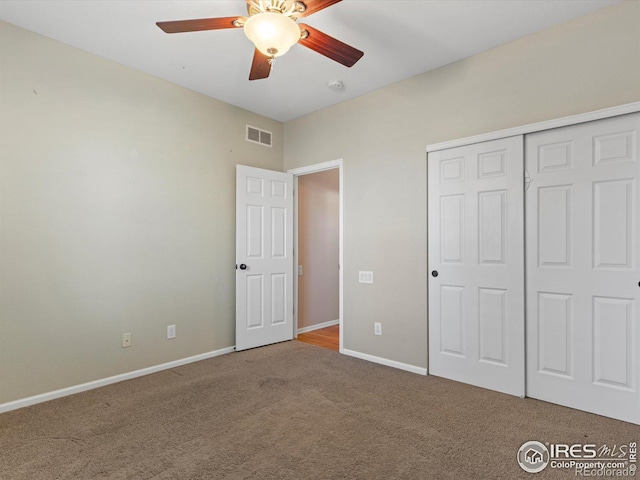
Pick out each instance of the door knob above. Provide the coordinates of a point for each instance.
(243, 266)
(433, 274)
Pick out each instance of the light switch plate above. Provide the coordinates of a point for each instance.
(365, 277)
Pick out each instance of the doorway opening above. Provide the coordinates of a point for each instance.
(318, 310)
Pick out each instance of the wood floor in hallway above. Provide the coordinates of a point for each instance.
(328, 337)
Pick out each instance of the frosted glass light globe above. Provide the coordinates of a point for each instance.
(272, 33)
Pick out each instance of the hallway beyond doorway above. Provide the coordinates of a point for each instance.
(328, 337)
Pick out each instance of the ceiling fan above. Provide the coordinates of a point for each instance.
(272, 27)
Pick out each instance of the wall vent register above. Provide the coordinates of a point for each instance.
(257, 135)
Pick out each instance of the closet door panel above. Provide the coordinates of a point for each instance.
(583, 266)
(476, 265)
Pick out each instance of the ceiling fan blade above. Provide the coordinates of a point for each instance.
(260, 67)
(314, 6)
(329, 46)
(179, 26)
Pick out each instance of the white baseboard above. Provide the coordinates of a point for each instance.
(45, 397)
(318, 326)
(385, 361)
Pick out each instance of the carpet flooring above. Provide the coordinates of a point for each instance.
(289, 411)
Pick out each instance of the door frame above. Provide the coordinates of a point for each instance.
(296, 172)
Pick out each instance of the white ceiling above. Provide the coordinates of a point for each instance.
(400, 38)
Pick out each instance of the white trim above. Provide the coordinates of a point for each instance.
(341, 257)
(537, 127)
(385, 361)
(45, 397)
(318, 167)
(296, 172)
(318, 326)
(296, 260)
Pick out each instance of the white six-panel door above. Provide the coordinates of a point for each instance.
(264, 256)
(476, 264)
(583, 267)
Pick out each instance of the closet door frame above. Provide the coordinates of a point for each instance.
(539, 126)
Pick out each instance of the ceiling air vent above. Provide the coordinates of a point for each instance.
(256, 135)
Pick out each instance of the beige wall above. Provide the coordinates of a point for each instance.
(117, 193)
(318, 247)
(587, 64)
(117, 201)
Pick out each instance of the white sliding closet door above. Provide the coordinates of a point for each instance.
(583, 267)
(476, 264)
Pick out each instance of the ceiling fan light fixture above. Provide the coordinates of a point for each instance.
(272, 33)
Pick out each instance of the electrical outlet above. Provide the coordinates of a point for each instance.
(377, 328)
(171, 331)
(126, 340)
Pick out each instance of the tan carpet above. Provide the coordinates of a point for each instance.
(289, 411)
